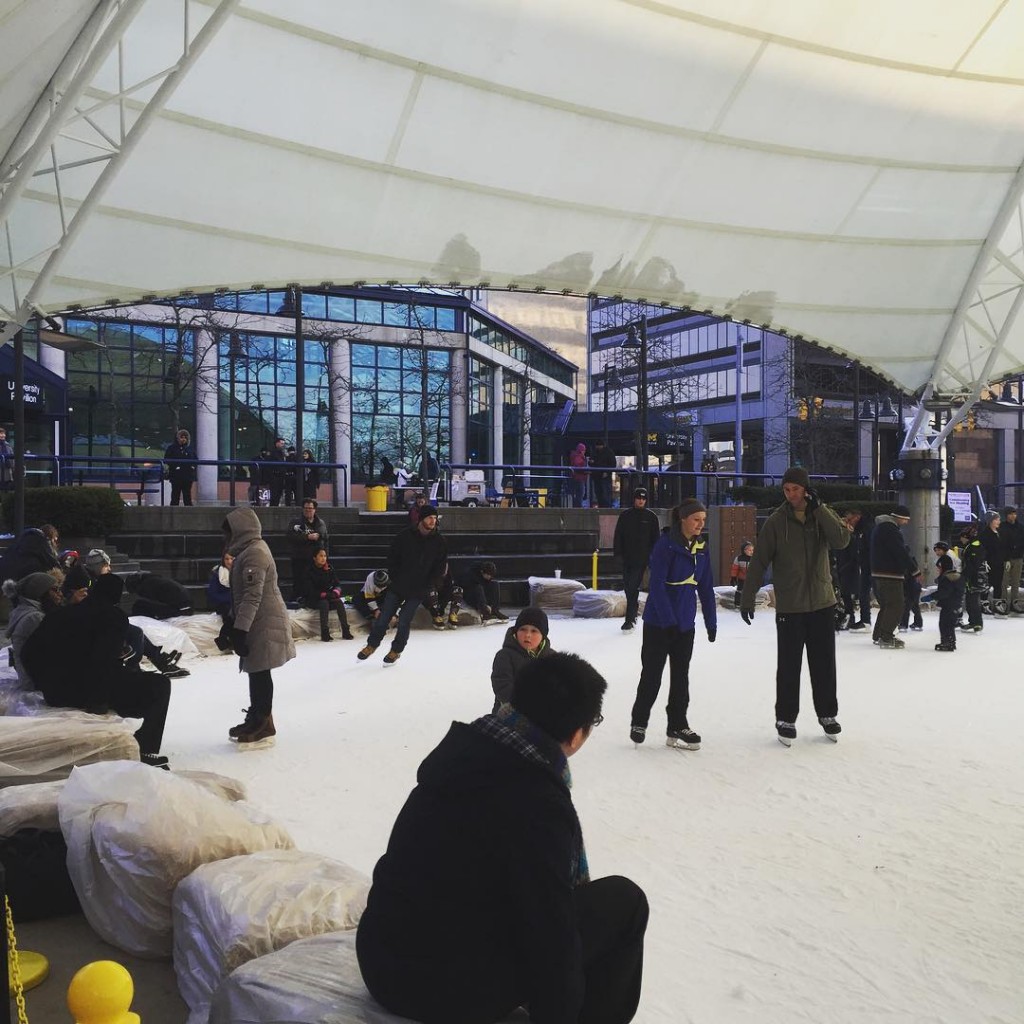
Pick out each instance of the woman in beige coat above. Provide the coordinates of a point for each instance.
(262, 635)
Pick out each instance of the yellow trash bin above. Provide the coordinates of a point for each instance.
(377, 499)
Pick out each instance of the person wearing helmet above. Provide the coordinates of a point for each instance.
(367, 601)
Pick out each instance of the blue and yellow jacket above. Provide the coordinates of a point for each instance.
(680, 572)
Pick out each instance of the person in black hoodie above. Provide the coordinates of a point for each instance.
(526, 640)
(322, 590)
(157, 596)
(30, 552)
(636, 532)
(890, 564)
(416, 565)
(181, 457)
(483, 901)
(76, 657)
(992, 545)
(948, 596)
(482, 591)
(1011, 533)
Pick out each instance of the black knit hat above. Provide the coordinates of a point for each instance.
(901, 512)
(797, 475)
(533, 617)
(688, 507)
(488, 568)
(941, 545)
(945, 563)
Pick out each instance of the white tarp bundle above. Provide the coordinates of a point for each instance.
(829, 168)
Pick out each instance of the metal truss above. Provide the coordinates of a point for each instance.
(980, 326)
(77, 126)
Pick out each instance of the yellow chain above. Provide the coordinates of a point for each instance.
(15, 964)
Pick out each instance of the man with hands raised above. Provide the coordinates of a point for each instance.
(795, 542)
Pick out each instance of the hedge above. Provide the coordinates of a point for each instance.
(75, 511)
(769, 497)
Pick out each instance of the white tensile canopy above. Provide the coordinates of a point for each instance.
(848, 171)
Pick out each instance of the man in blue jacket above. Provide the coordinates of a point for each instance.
(680, 572)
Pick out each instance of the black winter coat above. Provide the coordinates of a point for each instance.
(992, 544)
(889, 555)
(636, 532)
(31, 552)
(416, 563)
(181, 462)
(160, 589)
(975, 568)
(317, 582)
(477, 880)
(299, 531)
(949, 590)
(1012, 536)
(508, 661)
(74, 655)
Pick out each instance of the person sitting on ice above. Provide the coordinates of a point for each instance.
(481, 590)
(157, 597)
(444, 601)
(502, 912)
(526, 640)
(32, 597)
(321, 590)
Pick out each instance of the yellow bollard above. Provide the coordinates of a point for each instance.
(101, 993)
(594, 570)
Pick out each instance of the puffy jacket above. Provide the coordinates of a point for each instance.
(949, 590)
(680, 572)
(319, 582)
(508, 661)
(1012, 536)
(889, 555)
(798, 553)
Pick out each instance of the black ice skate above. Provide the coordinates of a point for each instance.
(787, 732)
(832, 728)
(682, 739)
(637, 733)
(946, 645)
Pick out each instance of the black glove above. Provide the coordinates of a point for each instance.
(813, 501)
(712, 633)
(747, 615)
(240, 642)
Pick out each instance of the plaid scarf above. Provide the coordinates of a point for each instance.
(515, 731)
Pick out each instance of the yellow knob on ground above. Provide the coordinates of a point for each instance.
(101, 993)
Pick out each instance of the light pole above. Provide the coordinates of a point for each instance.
(638, 339)
(611, 380)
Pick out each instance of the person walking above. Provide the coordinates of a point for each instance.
(1011, 533)
(680, 573)
(975, 575)
(890, 565)
(636, 532)
(502, 912)
(262, 632)
(795, 542)
(416, 565)
(181, 457)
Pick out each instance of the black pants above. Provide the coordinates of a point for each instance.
(972, 602)
(361, 605)
(181, 490)
(677, 647)
(864, 599)
(611, 916)
(947, 623)
(996, 571)
(816, 632)
(324, 607)
(632, 577)
(911, 603)
(890, 606)
(144, 695)
(261, 693)
(483, 595)
(603, 490)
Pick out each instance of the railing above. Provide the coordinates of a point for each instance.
(664, 488)
(142, 476)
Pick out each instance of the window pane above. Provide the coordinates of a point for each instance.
(388, 356)
(445, 319)
(340, 308)
(314, 305)
(423, 316)
(228, 301)
(368, 312)
(275, 301)
(253, 302)
(363, 355)
(396, 314)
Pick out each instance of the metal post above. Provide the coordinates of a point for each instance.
(856, 419)
(737, 443)
(232, 414)
(874, 449)
(643, 397)
(606, 406)
(300, 379)
(19, 433)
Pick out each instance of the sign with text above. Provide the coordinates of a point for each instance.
(960, 503)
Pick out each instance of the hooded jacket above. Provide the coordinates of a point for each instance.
(23, 622)
(889, 555)
(1012, 536)
(31, 552)
(416, 563)
(477, 880)
(680, 572)
(798, 553)
(181, 460)
(949, 589)
(259, 608)
(508, 661)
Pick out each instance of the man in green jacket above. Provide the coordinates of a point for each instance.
(795, 542)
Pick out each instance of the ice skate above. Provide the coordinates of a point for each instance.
(155, 761)
(787, 732)
(891, 643)
(366, 652)
(628, 626)
(683, 739)
(858, 625)
(391, 657)
(438, 621)
(236, 730)
(946, 645)
(832, 728)
(637, 733)
(259, 735)
(453, 621)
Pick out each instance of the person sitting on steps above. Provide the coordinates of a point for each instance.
(322, 590)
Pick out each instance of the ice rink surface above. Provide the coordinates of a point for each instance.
(877, 879)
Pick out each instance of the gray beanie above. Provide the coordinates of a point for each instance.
(36, 584)
(688, 507)
(96, 559)
(797, 475)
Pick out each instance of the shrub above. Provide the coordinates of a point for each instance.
(75, 511)
(770, 497)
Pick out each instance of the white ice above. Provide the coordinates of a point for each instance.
(877, 879)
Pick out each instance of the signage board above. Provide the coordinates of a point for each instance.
(960, 503)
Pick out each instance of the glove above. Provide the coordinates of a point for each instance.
(323, 594)
(747, 615)
(813, 501)
(712, 633)
(336, 593)
(240, 642)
